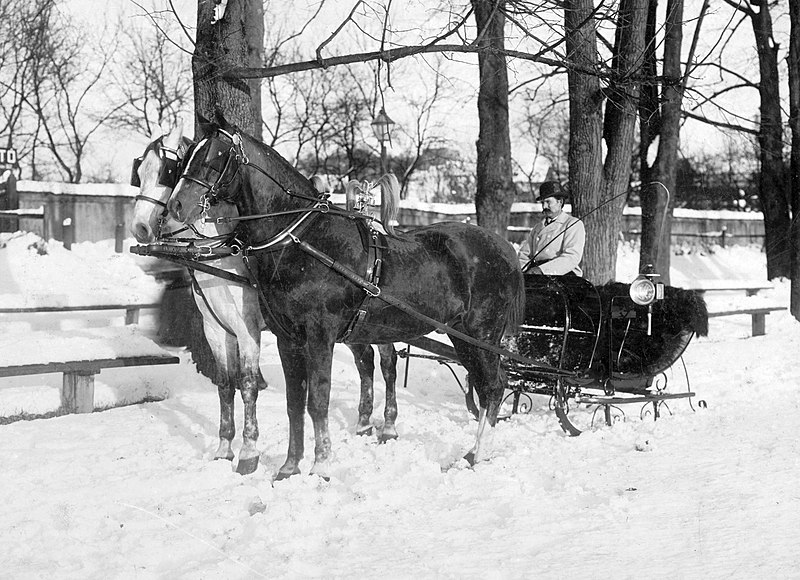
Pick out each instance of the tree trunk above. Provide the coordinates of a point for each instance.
(221, 47)
(658, 181)
(794, 123)
(495, 186)
(585, 132)
(599, 186)
(772, 189)
(254, 37)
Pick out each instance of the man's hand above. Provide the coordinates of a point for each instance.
(535, 270)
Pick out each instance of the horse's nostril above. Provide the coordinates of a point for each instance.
(142, 233)
(175, 208)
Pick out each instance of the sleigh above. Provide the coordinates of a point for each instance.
(612, 346)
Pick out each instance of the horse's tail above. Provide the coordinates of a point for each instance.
(390, 201)
(351, 194)
(515, 313)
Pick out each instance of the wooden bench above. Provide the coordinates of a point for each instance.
(758, 314)
(751, 288)
(79, 355)
(131, 310)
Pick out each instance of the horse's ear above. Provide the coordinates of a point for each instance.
(206, 125)
(173, 139)
(157, 132)
(223, 123)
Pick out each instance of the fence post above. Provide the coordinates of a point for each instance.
(119, 230)
(722, 238)
(10, 201)
(67, 233)
(119, 237)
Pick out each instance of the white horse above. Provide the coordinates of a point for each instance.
(231, 315)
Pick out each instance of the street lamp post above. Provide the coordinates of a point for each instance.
(382, 128)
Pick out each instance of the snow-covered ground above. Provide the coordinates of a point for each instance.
(132, 492)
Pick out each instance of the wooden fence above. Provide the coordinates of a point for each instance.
(67, 212)
(97, 211)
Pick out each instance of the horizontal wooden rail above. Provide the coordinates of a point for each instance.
(758, 315)
(131, 310)
(79, 356)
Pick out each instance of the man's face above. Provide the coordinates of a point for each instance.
(551, 206)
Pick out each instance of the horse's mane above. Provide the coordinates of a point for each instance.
(298, 182)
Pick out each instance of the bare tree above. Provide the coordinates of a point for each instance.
(425, 135)
(224, 42)
(660, 119)
(23, 25)
(495, 192)
(545, 126)
(598, 184)
(153, 77)
(794, 124)
(772, 190)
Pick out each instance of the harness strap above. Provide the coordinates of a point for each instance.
(374, 243)
(271, 320)
(199, 292)
(152, 200)
(408, 309)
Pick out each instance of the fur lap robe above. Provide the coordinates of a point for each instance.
(624, 344)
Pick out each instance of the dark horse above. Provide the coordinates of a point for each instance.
(230, 313)
(312, 266)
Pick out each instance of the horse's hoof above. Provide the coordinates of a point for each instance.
(227, 457)
(470, 457)
(385, 437)
(364, 431)
(286, 475)
(247, 466)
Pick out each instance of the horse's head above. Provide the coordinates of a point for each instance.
(155, 173)
(210, 175)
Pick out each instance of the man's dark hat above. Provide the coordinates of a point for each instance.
(551, 189)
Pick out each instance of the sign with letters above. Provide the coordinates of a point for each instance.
(8, 157)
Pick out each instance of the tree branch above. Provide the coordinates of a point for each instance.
(720, 124)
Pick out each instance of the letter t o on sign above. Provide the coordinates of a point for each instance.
(8, 157)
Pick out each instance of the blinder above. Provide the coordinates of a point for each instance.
(218, 167)
(168, 173)
(135, 180)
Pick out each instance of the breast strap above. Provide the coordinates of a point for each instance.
(374, 243)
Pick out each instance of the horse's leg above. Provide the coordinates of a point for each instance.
(319, 356)
(488, 379)
(218, 341)
(389, 371)
(364, 358)
(249, 345)
(293, 361)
